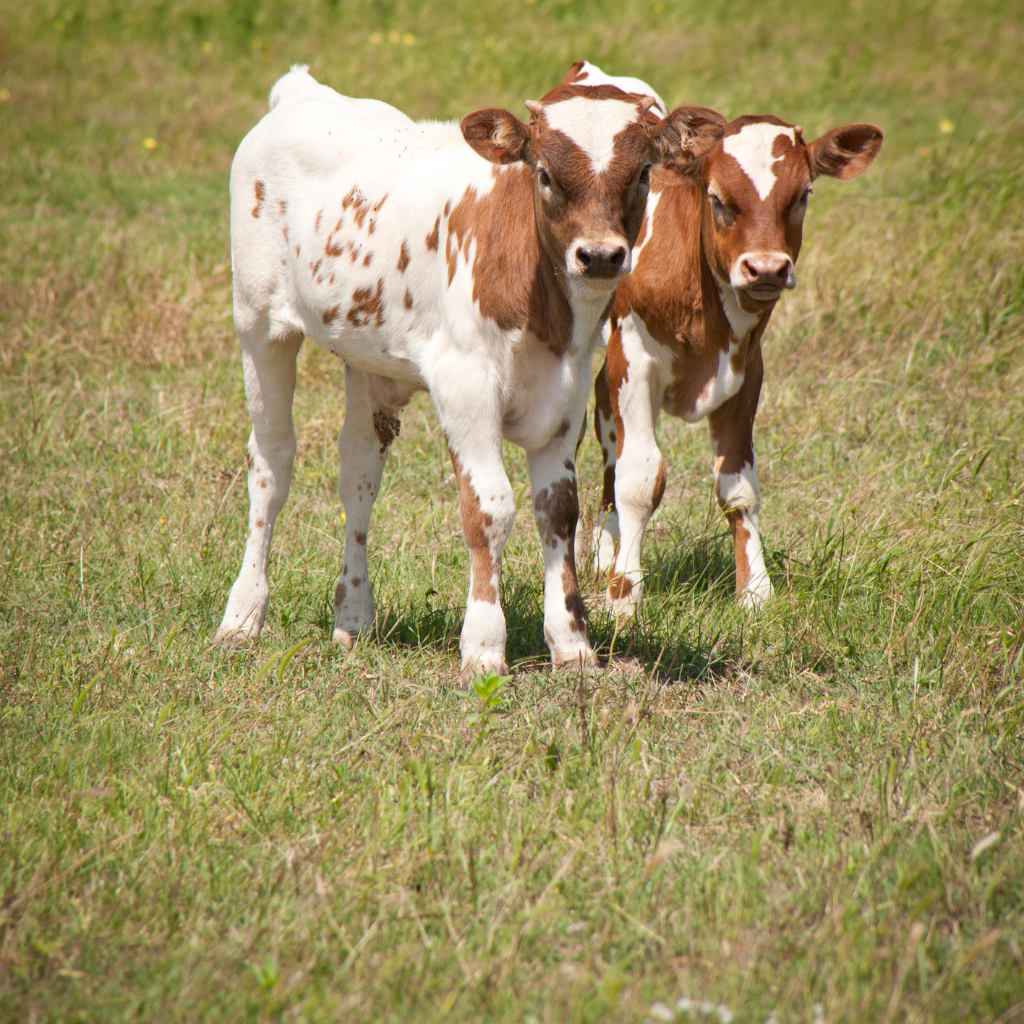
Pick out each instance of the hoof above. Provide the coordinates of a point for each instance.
(480, 666)
(345, 637)
(569, 658)
(233, 641)
(755, 597)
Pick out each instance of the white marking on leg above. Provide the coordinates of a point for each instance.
(592, 125)
(751, 147)
(637, 471)
(740, 492)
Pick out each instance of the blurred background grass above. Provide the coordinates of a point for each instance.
(822, 805)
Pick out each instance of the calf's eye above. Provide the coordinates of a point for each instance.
(544, 177)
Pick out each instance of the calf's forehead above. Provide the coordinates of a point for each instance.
(763, 154)
(597, 127)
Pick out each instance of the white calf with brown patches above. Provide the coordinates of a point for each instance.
(716, 251)
(481, 273)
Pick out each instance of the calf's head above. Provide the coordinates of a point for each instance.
(757, 182)
(590, 150)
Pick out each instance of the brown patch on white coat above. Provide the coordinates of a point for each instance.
(720, 243)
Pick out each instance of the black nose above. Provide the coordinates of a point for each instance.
(601, 260)
(770, 269)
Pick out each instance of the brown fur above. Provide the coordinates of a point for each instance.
(476, 525)
(261, 191)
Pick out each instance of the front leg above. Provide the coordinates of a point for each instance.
(732, 437)
(640, 470)
(556, 511)
(606, 532)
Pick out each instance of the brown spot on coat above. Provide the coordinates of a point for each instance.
(360, 538)
(259, 524)
(282, 207)
(366, 307)
(367, 258)
(571, 589)
(513, 279)
(330, 315)
(403, 257)
(407, 301)
(659, 485)
(340, 593)
(740, 536)
(316, 223)
(563, 429)
(434, 236)
(556, 510)
(619, 587)
(387, 427)
(261, 192)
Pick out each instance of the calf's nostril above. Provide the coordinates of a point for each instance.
(584, 257)
(618, 257)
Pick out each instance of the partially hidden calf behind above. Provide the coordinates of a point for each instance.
(716, 251)
(480, 273)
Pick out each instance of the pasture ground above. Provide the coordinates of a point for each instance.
(820, 806)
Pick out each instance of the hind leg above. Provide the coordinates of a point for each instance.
(371, 424)
(268, 365)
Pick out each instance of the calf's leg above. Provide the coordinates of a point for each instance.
(371, 424)
(556, 512)
(640, 469)
(606, 532)
(269, 369)
(732, 433)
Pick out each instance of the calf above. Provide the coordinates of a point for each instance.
(715, 252)
(480, 273)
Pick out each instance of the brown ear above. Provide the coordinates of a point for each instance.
(844, 153)
(685, 137)
(497, 135)
(570, 75)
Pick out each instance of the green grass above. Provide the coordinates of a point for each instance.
(822, 805)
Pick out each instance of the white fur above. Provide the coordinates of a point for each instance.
(741, 322)
(751, 148)
(636, 471)
(592, 125)
(591, 74)
(652, 205)
(740, 491)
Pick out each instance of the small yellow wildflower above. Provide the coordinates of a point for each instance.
(5, 95)
(376, 38)
(207, 47)
(408, 38)
(149, 143)
(658, 7)
(946, 126)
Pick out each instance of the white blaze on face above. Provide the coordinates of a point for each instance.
(592, 125)
(751, 147)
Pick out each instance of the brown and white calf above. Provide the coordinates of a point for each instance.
(479, 272)
(716, 251)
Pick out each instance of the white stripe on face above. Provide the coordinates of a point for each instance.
(751, 147)
(592, 125)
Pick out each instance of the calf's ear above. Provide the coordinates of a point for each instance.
(844, 153)
(685, 137)
(497, 135)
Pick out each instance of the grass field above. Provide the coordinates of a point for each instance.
(817, 813)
